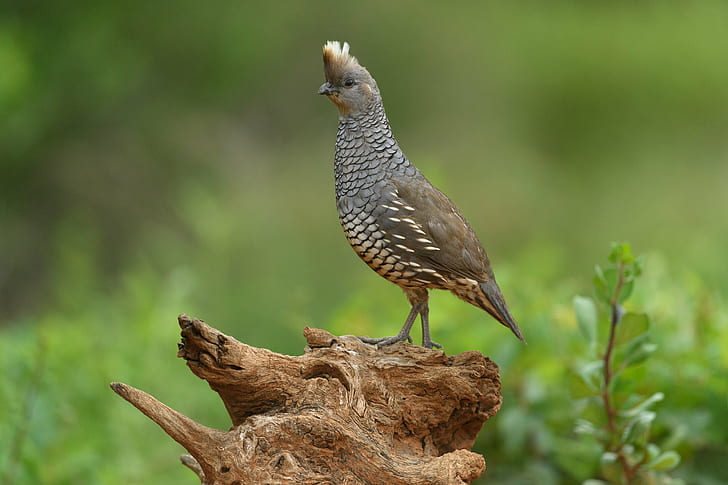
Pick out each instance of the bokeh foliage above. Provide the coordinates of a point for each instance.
(167, 157)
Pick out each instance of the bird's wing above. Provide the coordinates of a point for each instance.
(459, 253)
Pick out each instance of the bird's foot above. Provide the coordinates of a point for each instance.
(428, 344)
(385, 341)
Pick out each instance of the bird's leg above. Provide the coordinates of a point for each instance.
(425, 316)
(418, 297)
(403, 334)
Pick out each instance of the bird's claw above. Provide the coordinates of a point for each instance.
(428, 344)
(385, 341)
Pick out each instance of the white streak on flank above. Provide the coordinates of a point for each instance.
(424, 240)
(409, 207)
(396, 209)
(432, 248)
(405, 248)
(398, 202)
(398, 236)
(420, 231)
(410, 221)
(432, 272)
(395, 219)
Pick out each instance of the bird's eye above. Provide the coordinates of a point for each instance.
(349, 83)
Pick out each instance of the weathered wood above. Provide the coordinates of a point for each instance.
(342, 413)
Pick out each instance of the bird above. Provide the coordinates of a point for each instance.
(398, 223)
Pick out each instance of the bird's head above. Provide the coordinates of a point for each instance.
(348, 85)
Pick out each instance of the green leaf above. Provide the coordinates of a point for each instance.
(632, 271)
(637, 351)
(586, 317)
(591, 373)
(609, 457)
(621, 253)
(626, 291)
(610, 275)
(631, 326)
(637, 427)
(615, 252)
(644, 405)
(652, 451)
(604, 283)
(666, 461)
(610, 467)
(600, 284)
(580, 388)
(585, 427)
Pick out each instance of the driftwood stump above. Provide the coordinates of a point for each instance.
(342, 413)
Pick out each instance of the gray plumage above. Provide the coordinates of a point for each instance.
(403, 227)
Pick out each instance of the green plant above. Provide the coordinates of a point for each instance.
(616, 415)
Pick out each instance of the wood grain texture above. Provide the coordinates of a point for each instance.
(344, 412)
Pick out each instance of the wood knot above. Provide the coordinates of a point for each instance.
(318, 338)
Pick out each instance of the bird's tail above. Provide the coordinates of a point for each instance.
(496, 306)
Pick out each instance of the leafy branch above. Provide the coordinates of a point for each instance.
(628, 456)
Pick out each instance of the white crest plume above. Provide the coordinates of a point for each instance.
(337, 59)
(336, 49)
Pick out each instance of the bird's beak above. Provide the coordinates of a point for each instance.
(327, 89)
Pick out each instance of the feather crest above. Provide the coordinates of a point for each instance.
(337, 59)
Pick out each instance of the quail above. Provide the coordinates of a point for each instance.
(403, 227)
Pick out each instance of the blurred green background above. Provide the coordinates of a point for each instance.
(168, 157)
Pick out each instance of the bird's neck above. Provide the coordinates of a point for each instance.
(365, 138)
(371, 118)
(366, 151)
